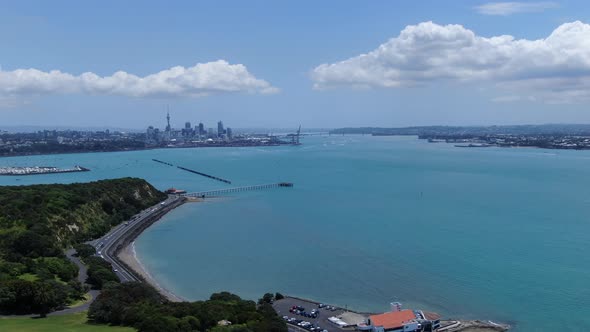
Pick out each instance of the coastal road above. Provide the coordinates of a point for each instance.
(107, 244)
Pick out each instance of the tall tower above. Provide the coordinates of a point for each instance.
(168, 120)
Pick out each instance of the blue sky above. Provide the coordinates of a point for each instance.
(273, 51)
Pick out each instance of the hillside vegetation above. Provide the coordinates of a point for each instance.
(38, 222)
(140, 306)
(77, 322)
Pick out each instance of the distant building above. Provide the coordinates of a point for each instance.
(230, 133)
(404, 320)
(398, 320)
(188, 130)
(174, 191)
(202, 131)
(220, 130)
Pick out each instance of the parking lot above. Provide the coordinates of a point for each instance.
(282, 308)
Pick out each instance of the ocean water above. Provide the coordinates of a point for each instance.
(482, 233)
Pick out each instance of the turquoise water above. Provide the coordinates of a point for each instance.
(500, 234)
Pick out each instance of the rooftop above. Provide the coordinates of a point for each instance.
(393, 319)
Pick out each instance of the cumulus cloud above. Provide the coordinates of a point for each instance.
(509, 8)
(556, 67)
(200, 80)
(12, 102)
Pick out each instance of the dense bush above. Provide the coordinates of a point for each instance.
(139, 305)
(57, 266)
(21, 296)
(38, 222)
(84, 250)
(100, 272)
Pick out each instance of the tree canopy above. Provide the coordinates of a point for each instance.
(38, 222)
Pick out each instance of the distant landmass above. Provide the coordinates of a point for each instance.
(547, 136)
(543, 129)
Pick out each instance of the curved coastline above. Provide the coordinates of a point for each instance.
(124, 254)
(129, 256)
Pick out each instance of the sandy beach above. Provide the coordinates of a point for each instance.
(129, 257)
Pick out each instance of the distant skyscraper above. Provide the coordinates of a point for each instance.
(220, 130)
(229, 133)
(202, 129)
(187, 131)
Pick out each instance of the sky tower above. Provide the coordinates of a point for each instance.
(168, 120)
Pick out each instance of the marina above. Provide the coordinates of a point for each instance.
(35, 170)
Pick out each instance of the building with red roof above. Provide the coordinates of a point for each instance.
(404, 320)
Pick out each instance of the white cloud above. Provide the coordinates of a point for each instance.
(509, 8)
(554, 68)
(12, 102)
(200, 80)
(509, 99)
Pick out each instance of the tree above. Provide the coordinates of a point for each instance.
(111, 305)
(191, 321)
(224, 296)
(279, 296)
(84, 250)
(266, 298)
(100, 276)
(159, 324)
(47, 296)
(76, 289)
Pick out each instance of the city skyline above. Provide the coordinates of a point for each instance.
(169, 133)
(343, 63)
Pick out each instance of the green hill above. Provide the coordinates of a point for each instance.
(38, 222)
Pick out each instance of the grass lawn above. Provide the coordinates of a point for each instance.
(65, 323)
(28, 277)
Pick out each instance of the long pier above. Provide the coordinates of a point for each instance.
(193, 171)
(203, 174)
(162, 162)
(218, 192)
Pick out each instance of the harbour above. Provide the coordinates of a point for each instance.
(433, 251)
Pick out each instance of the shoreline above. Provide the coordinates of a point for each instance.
(128, 255)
